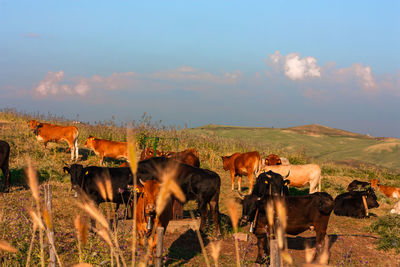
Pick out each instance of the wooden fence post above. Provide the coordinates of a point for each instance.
(48, 202)
(275, 254)
(159, 246)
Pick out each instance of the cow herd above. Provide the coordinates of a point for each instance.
(269, 181)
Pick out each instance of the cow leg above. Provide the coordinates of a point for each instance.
(240, 183)
(263, 248)
(6, 173)
(215, 213)
(101, 159)
(233, 180)
(177, 209)
(76, 149)
(313, 185)
(203, 214)
(44, 147)
(251, 177)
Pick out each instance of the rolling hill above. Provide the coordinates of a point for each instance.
(318, 142)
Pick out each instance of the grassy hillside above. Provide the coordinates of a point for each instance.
(321, 143)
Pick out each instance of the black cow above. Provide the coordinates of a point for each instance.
(196, 183)
(303, 213)
(84, 179)
(271, 183)
(351, 203)
(4, 157)
(358, 185)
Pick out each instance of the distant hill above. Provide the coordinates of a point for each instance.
(317, 141)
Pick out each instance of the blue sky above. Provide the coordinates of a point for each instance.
(258, 63)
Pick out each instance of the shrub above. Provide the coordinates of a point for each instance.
(388, 229)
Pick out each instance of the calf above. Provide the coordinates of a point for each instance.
(272, 159)
(300, 175)
(239, 164)
(197, 184)
(389, 191)
(47, 132)
(189, 156)
(356, 185)
(355, 203)
(106, 148)
(146, 212)
(303, 213)
(83, 179)
(4, 158)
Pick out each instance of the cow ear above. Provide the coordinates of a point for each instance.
(266, 181)
(287, 182)
(66, 170)
(279, 161)
(87, 172)
(259, 198)
(266, 161)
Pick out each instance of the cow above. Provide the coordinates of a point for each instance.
(355, 203)
(303, 213)
(239, 164)
(357, 185)
(47, 132)
(189, 156)
(84, 180)
(300, 175)
(197, 184)
(4, 158)
(270, 183)
(146, 219)
(148, 153)
(272, 159)
(106, 148)
(389, 191)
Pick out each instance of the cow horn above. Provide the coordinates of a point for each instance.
(240, 195)
(287, 174)
(141, 181)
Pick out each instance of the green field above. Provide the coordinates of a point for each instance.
(322, 144)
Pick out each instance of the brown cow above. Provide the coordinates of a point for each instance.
(47, 132)
(106, 148)
(389, 191)
(240, 164)
(148, 153)
(272, 159)
(189, 156)
(146, 212)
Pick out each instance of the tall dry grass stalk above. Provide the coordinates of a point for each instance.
(215, 250)
(81, 234)
(203, 250)
(4, 245)
(133, 164)
(34, 186)
(233, 214)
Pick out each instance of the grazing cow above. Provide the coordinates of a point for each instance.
(300, 175)
(146, 212)
(84, 179)
(357, 185)
(4, 157)
(303, 213)
(197, 184)
(47, 132)
(105, 148)
(189, 156)
(272, 159)
(148, 153)
(389, 191)
(239, 164)
(355, 203)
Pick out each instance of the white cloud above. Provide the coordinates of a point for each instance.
(365, 77)
(295, 67)
(52, 85)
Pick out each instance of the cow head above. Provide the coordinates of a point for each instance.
(371, 198)
(272, 159)
(271, 183)
(76, 171)
(149, 196)
(250, 204)
(374, 183)
(147, 153)
(89, 141)
(34, 125)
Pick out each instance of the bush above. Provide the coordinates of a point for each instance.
(388, 229)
